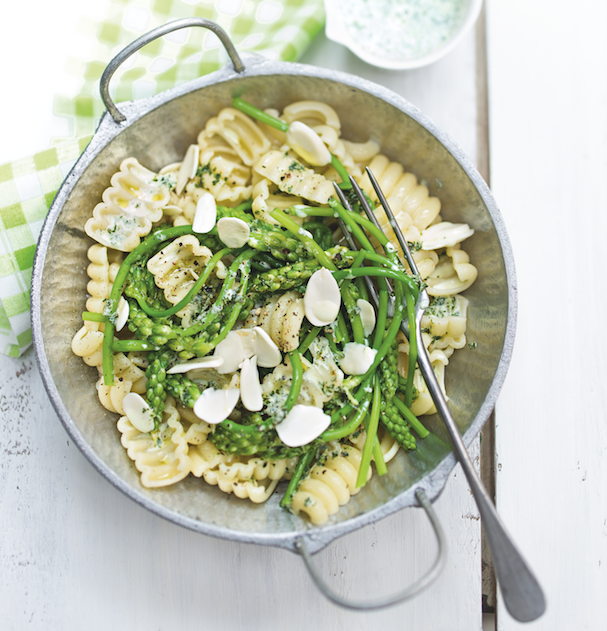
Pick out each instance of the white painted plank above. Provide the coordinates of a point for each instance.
(548, 130)
(77, 554)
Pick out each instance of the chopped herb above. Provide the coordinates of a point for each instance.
(296, 166)
(166, 180)
(203, 169)
(443, 306)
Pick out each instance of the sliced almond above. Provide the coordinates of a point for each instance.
(357, 358)
(210, 361)
(445, 235)
(322, 298)
(302, 425)
(268, 354)
(250, 388)
(308, 144)
(205, 217)
(138, 412)
(122, 313)
(231, 350)
(247, 337)
(214, 406)
(233, 232)
(188, 168)
(367, 315)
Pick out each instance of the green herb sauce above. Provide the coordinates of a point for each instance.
(402, 29)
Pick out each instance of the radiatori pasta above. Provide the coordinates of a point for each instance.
(231, 327)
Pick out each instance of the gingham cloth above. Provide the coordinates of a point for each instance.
(279, 29)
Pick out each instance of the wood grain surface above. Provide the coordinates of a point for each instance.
(547, 65)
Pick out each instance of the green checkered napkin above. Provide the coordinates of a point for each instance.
(279, 29)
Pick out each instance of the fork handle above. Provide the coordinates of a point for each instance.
(521, 591)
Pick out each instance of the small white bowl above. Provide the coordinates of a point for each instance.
(340, 27)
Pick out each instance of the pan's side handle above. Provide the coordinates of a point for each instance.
(175, 25)
(425, 581)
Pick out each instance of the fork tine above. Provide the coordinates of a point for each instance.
(368, 210)
(371, 216)
(513, 574)
(397, 231)
(364, 203)
(350, 239)
(346, 204)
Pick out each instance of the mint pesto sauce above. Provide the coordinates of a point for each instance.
(402, 29)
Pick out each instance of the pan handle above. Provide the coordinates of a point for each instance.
(175, 25)
(413, 590)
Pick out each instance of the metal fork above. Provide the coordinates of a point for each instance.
(521, 591)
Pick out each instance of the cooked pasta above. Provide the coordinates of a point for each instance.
(239, 131)
(453, 273)
(102, 271)
(291, 176)
(177, 266)
(281, 318)
(312, 113)
(232, 343)
(251, 478)
(87, 343)
(130, 205)
(329, 484)
(160, 456)
(410, 201)
(265, 199)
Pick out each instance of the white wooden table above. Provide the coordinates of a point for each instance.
(76, 554)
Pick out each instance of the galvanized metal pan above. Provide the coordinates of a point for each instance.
(158, 131)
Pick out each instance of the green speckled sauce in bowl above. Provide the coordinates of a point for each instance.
(400, 34)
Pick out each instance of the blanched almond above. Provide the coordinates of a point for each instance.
(138, 412)
(248, 338)
(268, 354)
(214, 406)
(210, 361)
(231, 350)
(308, 144)
(367, 315)
(233, 232)
(302, 425)
(250, 388)
(122, 313)
(188, 168)
(206, 214)
(357, 358)
(322, 299)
